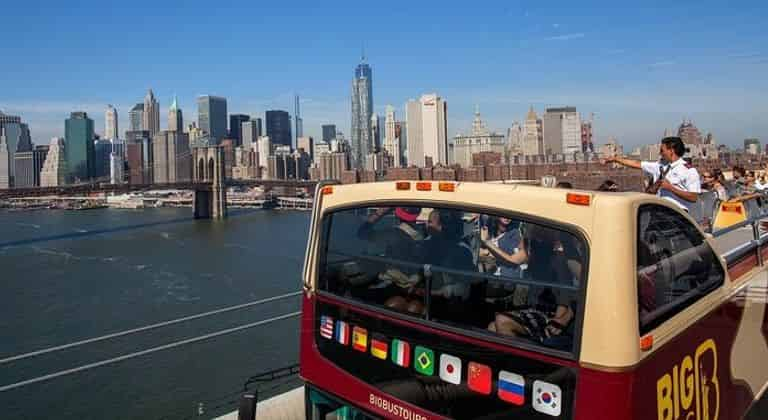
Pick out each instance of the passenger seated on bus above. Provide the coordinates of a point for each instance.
(714, 181)
(443, 249)
(549, 314)
(399, 243)
(505, 244)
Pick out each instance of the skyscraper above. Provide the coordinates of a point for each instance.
(212, 117)
(264, 151)
(110, 123)
(434, 111)
(561, 131)
(250, 132)
(308, 145)
(138, 155)
(54, 172)
(16, 138)
(102, 148)
(414, 133)
(329, 132)
(235, 127)
(298, 122)
(6, 180)
(279, 127)
(135, 117)
(171, 157)
(515, 139)
(375, 132)
(532, 135)
(175, 117)
(28, 167)
(150, 120)
(479, 141)
(78, 129)
(362, 109)
(391, 140)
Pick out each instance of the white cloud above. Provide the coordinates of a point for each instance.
(566, 37)
(659, 64)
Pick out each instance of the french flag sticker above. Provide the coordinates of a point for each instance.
(511, 388)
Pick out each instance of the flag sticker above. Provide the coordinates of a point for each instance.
(424, 361)
(450, 369)
(511, 388)
(379, 349)
(547, 398)
(401, 353)
(326, 327)
(342, 333)
(479, 378)
(360, 339)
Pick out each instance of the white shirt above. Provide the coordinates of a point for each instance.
(680, 175)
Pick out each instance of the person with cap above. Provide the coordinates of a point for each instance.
(402, 241)
(673, 178)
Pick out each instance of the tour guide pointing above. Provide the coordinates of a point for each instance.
(675, 180)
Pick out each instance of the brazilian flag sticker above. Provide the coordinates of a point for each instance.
(424, 361)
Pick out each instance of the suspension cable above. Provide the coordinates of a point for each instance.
(146, 328)
(113, 360)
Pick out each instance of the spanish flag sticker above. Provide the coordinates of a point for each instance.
(360, 339)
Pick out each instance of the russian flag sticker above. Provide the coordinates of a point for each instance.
(511, 388)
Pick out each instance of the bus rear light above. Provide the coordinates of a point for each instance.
(327, 190)
(646, 343)
(424, 186)
(403, 186)
(446, 186)
(578, 199)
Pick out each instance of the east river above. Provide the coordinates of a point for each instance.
(72, 275)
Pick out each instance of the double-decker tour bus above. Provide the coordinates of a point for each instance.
(433, 300)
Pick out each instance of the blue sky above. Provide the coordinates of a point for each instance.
(639, 68)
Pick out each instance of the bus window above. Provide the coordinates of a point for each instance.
(486, 273)
(676, 266)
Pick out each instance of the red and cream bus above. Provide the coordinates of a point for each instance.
(436, 300)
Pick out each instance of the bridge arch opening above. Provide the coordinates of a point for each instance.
(200, 170)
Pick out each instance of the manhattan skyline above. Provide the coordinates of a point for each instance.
(639, 69)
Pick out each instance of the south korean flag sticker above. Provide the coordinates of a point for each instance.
(547, 398)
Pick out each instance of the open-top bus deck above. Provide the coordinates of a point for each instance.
(427, 300)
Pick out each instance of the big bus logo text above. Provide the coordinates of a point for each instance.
(691, 390)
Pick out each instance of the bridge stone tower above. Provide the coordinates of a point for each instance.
(210, 201)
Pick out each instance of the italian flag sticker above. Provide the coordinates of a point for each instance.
(401, 353)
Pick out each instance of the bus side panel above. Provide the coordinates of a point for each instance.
(318, 371)
(693, 375)
(603, 395)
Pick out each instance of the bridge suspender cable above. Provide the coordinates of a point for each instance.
(146, 328)
(113, 360)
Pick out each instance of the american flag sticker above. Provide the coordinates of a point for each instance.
(326, 327)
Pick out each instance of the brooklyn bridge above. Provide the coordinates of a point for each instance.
(208, 183)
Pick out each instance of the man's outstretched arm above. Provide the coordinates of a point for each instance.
(631, 163)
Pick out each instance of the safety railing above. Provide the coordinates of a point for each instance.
(755, 208)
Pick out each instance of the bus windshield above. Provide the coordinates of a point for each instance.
(501, 276)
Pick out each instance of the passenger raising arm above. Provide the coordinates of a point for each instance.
(676, 180)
